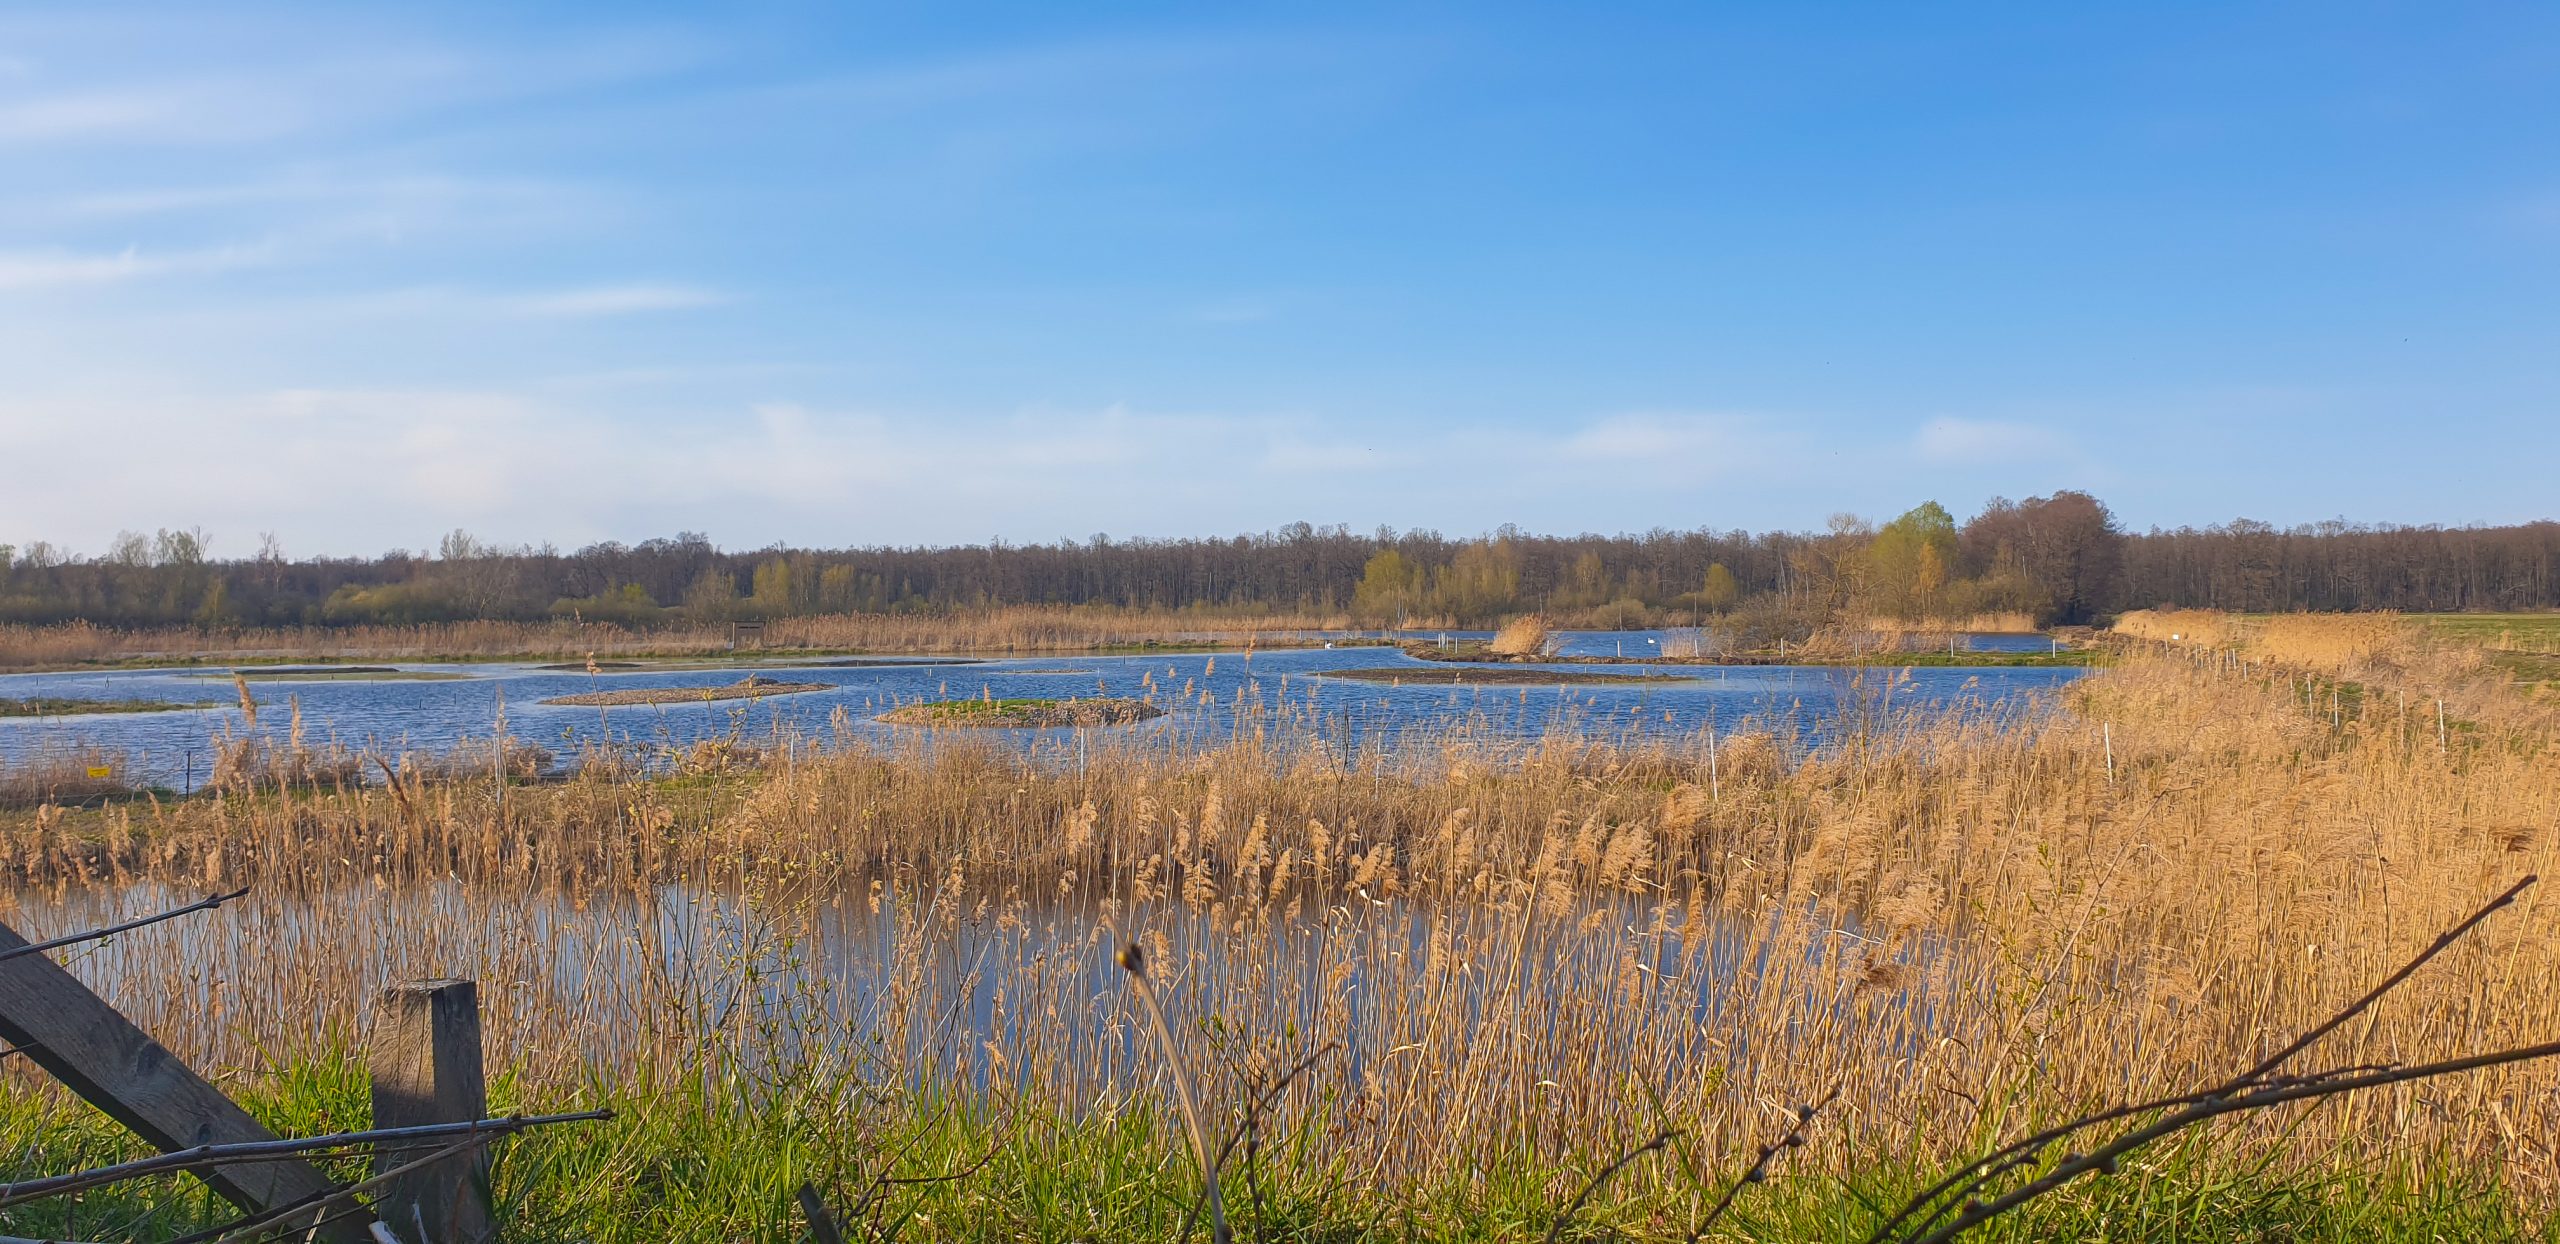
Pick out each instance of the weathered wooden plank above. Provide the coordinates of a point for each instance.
(96, 1052)
(426, 1069)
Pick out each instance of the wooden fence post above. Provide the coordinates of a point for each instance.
(426, 1069)
(97, 1053)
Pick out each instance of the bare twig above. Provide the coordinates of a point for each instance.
(1245, 1131)
(251, 1226)
(1250, 1127)
(2389, 983)
(67, 939)
(1555, 1230)
(269, 1150)
(1954, 1194)
(1793, 1138)
(875, 1195)
(2103, 1160)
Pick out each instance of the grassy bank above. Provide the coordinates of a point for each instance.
(1526, 959)
(56, 706)
(721, 1159)
(1494, 676)
(751, 687)
(1023, 714)
(1478, 653)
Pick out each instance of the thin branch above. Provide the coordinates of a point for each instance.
(2389, 983)
(1243, 1132)
(1793, 1139)
(1555, 1230)
(2103, 1160)
(270, 1150)
(250, 1227)
(1961, 1183)
(1250, 1127)
(1262, 1101)
(202, 904)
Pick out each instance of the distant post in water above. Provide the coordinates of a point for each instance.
(426, 1069)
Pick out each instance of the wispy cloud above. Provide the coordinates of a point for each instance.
(176, 112)
(407, 192)
(46, 269)
(1658, 448)
(577, 470)
(616, 300)
(1958, 442)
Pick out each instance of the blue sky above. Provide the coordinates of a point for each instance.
(935, 273)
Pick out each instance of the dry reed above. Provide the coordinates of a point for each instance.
(1024, 628)
(1542, 953)
(1526, 636)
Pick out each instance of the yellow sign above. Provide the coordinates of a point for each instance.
(101, 771)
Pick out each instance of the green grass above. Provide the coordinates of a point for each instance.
(2534, 669)
(717, 1159)
(56, 706)
(2067, 658)
(1023, 713)
(1476, 652)
(2523, 632)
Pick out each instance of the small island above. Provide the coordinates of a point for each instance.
(54, 706)
(751, 687)
(335, 673)
(1023, 714)
(1506, 676)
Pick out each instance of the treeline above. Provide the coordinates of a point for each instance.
(2061, 558)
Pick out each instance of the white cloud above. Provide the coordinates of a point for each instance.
(1290, 454)
(1662, 449)
(46, 269)
(1958, 442)
(178, 112)
(616, 300)
(358, 470)
(1694, 439)
(405, 193)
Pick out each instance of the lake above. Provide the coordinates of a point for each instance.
(1207, 697)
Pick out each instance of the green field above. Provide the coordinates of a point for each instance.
(2512, 632)
(709, 1157)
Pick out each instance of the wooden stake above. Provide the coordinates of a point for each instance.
(426, 1069)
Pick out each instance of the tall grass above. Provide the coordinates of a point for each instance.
(2006, 622)
(1532, 957)
(1525, 636)
(1965, 925)
(2444, 674)
(1026, 628)
(63, 775)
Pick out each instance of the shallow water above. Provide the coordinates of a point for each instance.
(1207, 697)
(894, 976)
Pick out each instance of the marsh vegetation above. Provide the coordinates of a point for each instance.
(1521, 958)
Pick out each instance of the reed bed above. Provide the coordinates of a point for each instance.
(2444, 675)
(63, 775)
(1025, 628)
(1529, 958)
(2003, 622)
(1527, 636)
